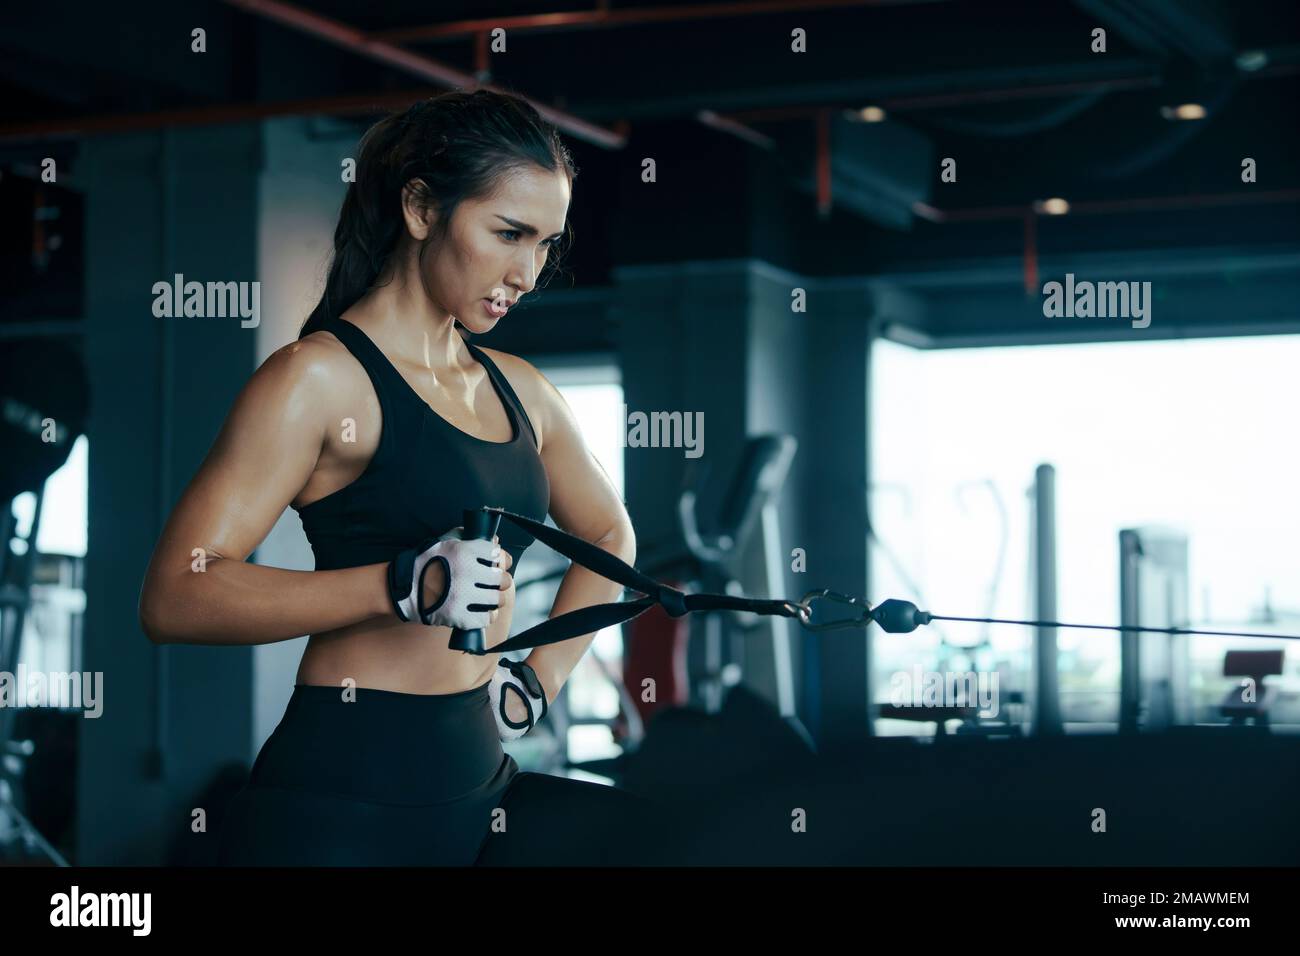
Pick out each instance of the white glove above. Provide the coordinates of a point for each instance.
(515, 678)
(472, 578)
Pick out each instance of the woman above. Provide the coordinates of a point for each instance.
(379, 426)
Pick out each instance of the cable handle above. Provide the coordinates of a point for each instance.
(478, 523)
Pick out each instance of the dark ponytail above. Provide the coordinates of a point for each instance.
(454, 147)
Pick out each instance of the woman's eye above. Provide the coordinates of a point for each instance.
(512, 234)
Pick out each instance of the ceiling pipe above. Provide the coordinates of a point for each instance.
(960, 97)
(75, 127)
(1109, 206)
(1030, 213)
(604, 18)
(356, 41)
(748, 134)
(735, 122)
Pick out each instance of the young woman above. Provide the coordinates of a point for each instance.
(379, 426)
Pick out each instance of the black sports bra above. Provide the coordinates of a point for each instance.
(424, 473)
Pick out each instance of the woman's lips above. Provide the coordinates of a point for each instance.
(493, 310)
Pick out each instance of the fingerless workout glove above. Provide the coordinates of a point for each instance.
(517, 678)
(470, 567)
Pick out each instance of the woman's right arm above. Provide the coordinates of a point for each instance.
(266, 451)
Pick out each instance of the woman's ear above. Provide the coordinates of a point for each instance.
(417, 211)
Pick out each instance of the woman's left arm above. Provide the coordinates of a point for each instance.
(585, 503)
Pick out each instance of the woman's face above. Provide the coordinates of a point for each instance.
(496, 247)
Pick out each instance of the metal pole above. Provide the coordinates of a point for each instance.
(1130, 647)
(1047, 696)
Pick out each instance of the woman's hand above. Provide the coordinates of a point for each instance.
(436, 587)
(506, 605)
(516, 709)
(463, 595)
(517, 697)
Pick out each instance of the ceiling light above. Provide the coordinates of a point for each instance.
(1183, 111)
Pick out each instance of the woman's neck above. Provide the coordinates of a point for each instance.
(408, 327)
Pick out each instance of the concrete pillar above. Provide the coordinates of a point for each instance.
(300, 191)
(721, 338)
(157, 204)
(837, 456)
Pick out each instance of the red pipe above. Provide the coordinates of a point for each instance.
(1031, 253)
(481, 56)
(355, 40)
(605, 18)
(824, 163)
(211, 115)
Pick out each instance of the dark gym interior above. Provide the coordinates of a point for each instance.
(844, 238)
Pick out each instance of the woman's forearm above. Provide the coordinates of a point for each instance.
(580, 588)
(234, 602)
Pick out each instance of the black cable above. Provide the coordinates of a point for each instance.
(1117, 627)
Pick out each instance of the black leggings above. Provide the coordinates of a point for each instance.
(394, 779)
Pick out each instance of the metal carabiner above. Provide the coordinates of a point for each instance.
(805, 610)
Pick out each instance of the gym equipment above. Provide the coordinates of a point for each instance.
(1237, 704)
(893, 616)
(939, 716)
(19, 839)
(1023, 801)
(1010, 701)
(44, 400)
(656, 645)
(1153, 670)
(748, 508)
(655, 649)
(478, 524)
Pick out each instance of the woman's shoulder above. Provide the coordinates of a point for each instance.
(314, 371)
(534, 390)
(318, 357)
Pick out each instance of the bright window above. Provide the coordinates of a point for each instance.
(51, 639)
(596, 398)
(1196, 435)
